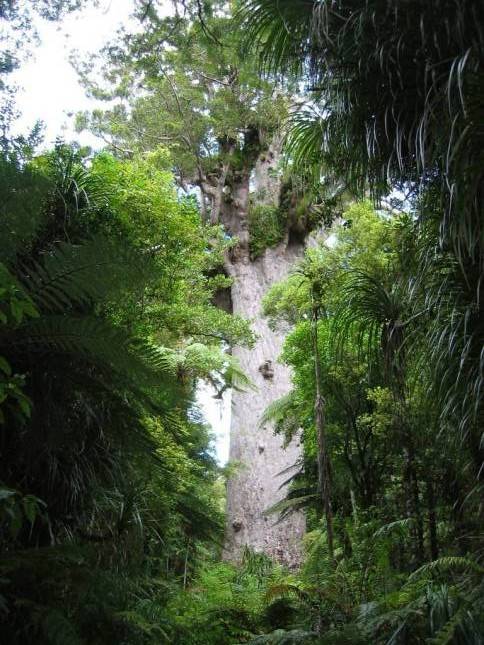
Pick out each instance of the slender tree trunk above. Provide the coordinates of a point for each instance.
(411, 484)
(185, 565)
(413, 498)
(419, 529)
(432, 519)
(324, 465)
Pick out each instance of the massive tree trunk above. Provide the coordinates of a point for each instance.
(231, 190)
(256, 484)
(259, 454)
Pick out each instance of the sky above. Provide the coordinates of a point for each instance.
(217, 413)
(49, 90)
(49, 87)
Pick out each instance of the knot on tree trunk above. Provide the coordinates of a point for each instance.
(237, 525)
(267, 370)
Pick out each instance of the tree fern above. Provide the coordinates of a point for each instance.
(72, 275)
(89, 338)
(444, 564)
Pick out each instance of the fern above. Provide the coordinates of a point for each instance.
(138, 621)
(285, 589)
(93, 339)
(59, 630)
(92, 271)
(400, 526)
(283, 637)
(446, 564)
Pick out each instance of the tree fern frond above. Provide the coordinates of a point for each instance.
(284, 589)
(400, 526)
(202, 360)
(136, 620)
(94, 270)
(93, 339)
(444, 564)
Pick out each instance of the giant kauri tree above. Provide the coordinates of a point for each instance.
(192, 91)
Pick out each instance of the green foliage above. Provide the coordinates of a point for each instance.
(222, 607)
(14, 308)
(230, 604)
(101, 444)
(267, 227)
(17, 509)
(376, 119)
(285, 637)
(203, 99)
(375, 113)
(382, 421)
(110, 500)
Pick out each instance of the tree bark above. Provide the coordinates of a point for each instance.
(256, 485)
(258, 482)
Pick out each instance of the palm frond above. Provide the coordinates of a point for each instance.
(374, 316)
(291, 504)
(280, 30)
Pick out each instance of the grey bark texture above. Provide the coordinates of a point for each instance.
(260, 455)
(257, 451)
(256, 484)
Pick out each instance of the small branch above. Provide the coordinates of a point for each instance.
(214, 80)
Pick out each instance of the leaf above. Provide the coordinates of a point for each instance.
(31, 508)
(5, 367)
(16, 310)
(6, 493)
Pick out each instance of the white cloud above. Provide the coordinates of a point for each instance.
(50, 89)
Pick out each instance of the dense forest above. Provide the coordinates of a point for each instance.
(287, 204)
